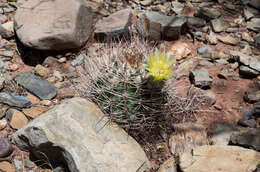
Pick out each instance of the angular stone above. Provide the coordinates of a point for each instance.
(41, 71)
(79, 60)
(228, 40)
(77, 133)
(219, 25)
(35, 111)
(177, 7)
(39, 87)
(257, 40)
(168, 166)
(185, 67)
(212, 38)
(180, 50)
(186, 137)
(247, 37)
(255, 3)
(219, 158)
(200, 78)
(16, 118)
(249, 138)
(14, 100)
(246, 60)
(247, 71)
(115, 25)
(221, 133)
(5, 33)
(248, 14)
(5, 147)
(252, 97)
(254, 24)
(68, 25)
(195, 22)
(226, 72)
(156, 26)
(208, 13)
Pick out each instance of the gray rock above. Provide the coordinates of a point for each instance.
(2, 64)
(39, 87)
(5, 147)
(146, 2)
(254, 24)
(247, 71)
(222, 61)
(177, 7)
(4, 33)
(200, 78)
(68, 25)
(18, 164)
(257, 40)
(15, 100)
(49, 61)
(79, 60)
(255, 3)
(252, 96)
(249, 138)
(77, 133)
(203, 49)
(219, 25)
(222, 132)
(226, 72)
(248, 14)
(195, 22)
(8, 10)
(115, 25)
(208, 13)
(250, 64)
(247, 122)
(156, 26)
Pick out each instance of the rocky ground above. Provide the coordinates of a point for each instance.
(43, 47)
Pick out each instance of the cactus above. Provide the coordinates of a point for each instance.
(121, 86)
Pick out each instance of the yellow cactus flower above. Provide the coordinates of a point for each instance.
(159, 66)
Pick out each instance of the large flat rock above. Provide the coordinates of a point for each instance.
(77, 132)
(219, 158)
(53, 25)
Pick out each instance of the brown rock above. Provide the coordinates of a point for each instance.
(41, 71)
(228, 40)
(247, 37)
(16, 118)
(65, 93)
(35, 111)
(180, 50)
(6, 166)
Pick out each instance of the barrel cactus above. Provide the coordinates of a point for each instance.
(118, 82)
